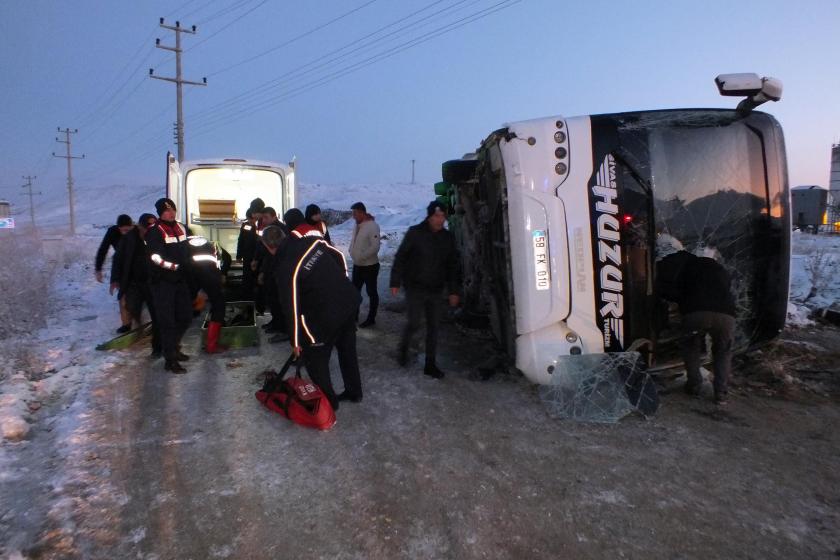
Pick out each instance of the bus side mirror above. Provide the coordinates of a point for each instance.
(738, 84)
(757, 90)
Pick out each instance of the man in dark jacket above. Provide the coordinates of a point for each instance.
(245, 247)
(133, 276)
(112, 239)
(426, 262)
(168, 278)
(701, 288)
(321, 304)
(265, 273)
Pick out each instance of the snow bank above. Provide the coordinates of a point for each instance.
(74, 313)
(24, 276)
(814, 275)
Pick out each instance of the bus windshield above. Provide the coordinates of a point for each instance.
(708, 182)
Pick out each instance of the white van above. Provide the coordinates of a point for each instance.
(212, 195)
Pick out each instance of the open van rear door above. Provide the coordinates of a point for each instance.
(175, 186)
(291, 188)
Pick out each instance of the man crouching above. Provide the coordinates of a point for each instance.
(321, 305)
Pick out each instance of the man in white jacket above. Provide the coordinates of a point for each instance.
(364, 250)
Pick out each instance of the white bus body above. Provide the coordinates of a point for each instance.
(559, 219)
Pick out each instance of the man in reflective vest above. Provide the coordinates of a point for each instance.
(169, 258)
(206, 272)
(314, 219)
(321, 304)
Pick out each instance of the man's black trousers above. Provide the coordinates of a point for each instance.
(173, 309)
(272, 301)
(366, 276)
(422, 303)
(136, 295)
(247, 279)
(721, 327)
(209, 279)
(317, 360)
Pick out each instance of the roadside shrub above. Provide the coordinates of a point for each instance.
(24, 277)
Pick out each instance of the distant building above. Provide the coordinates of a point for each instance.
(809, 206)
(5, 209)
(833, 217)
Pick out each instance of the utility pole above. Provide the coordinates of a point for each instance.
(69, 157)
(178, 79)
(31, 205)
(412, 172)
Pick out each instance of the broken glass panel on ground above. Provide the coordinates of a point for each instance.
(601, 388)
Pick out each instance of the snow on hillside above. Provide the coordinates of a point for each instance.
(395, 206)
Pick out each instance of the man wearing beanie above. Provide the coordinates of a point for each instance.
(267, 295)
(246, 245)
(426, 262)
(314, 219)
(320, 303)
(112, 239)
(133, 276)
(169, 258)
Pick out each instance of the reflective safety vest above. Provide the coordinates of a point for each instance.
(203, 251)
(165, 241)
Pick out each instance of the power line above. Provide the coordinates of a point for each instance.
(143, 45)
(226, 26)
(128, 136)
(184, 5)
(207, 126)
(268, 87)
(232, 8)
(218, 120)
(141, 156)
(107, 118)
(96, 110)
(224, 11)
(293, 39)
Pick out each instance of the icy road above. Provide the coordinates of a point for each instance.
(123, 460)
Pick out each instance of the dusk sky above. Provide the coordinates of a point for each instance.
(316, 87)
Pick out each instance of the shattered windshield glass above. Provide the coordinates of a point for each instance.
(712, 195)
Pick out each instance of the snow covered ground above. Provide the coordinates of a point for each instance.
(814, 276)
(443, 477)
(56, 313)
(81, 314)
(58, 273)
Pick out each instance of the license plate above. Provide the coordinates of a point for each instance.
(541, 272)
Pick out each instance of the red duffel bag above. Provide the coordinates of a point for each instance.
(299, 400)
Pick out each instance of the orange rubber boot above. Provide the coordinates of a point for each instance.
(214, 328)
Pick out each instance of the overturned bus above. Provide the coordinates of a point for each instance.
(560, 222)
